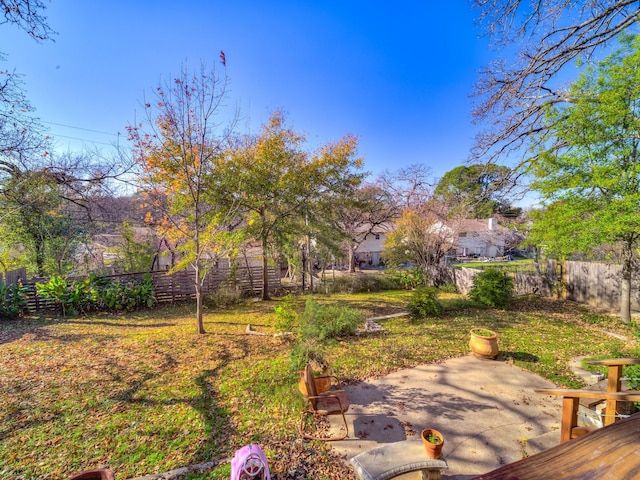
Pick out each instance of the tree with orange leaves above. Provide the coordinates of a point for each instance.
(282, 189)
(182, 151)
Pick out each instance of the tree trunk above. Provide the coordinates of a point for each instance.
(199, 309)
(265, 270)
(625, 285)
(39, 248)
(352, 259)
(310, 263)
(199, 297)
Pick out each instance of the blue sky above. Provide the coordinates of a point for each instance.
(398, 77)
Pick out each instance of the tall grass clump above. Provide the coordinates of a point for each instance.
(286, 314)
(319, 324)
(329, 321)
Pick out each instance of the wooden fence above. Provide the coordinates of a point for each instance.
(14, 276)
(591, 283)
(179, 286)
(598, 284)
(541, 284)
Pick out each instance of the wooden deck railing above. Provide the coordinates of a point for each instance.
(613, 396)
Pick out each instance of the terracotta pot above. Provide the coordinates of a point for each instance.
(97, 474)
(434, 450)
(484, 346)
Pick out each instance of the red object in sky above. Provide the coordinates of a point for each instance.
(223, 59)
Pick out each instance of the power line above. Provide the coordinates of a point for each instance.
(81, 128)
(82, 140)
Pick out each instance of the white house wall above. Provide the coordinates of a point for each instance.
(370, 249)
(371, 244)
(478, 245)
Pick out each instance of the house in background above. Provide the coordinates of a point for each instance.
(477, 237)
(104, 251)
(368, 253)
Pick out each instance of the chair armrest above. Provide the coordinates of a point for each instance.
(629, 396)
(615, 361)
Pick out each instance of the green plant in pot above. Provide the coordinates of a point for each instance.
(484, 342)
(433, 442)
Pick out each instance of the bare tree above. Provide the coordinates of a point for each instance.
(21, 135)
(27, 15)
(367, 213)
(408, 187)
(513, 94)
(182, 151)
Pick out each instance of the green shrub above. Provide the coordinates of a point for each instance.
(118, 296)
(55, 289)
(98, 293)
(224, 297)
(114, 297)
(13, 300)
(318, 324)
(632, 374)
(305, 351)
(448, 288)
(358, 283)
(144, 292)
(286, 315)
(493, 288)
(329, 321)
(407, 279)
(80, 296)
(424, 303)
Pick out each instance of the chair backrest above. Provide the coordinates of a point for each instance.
(249, 463)
(311, 385)
(309, 379)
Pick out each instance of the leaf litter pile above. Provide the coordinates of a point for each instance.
(143, 393)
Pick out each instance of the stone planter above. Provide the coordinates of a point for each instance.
(484, 343)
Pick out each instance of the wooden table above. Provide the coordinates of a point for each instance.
(609, 453)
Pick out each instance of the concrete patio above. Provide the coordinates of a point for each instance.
(486, 409)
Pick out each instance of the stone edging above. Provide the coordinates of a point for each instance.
(178, 472)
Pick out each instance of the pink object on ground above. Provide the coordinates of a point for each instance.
(249, 463)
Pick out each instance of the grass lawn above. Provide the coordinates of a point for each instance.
(520, 265)
(143, 393)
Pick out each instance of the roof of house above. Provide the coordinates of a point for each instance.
(475, 225)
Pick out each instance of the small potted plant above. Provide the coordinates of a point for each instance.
(484, 342)
(433, 441)
(320, 369)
